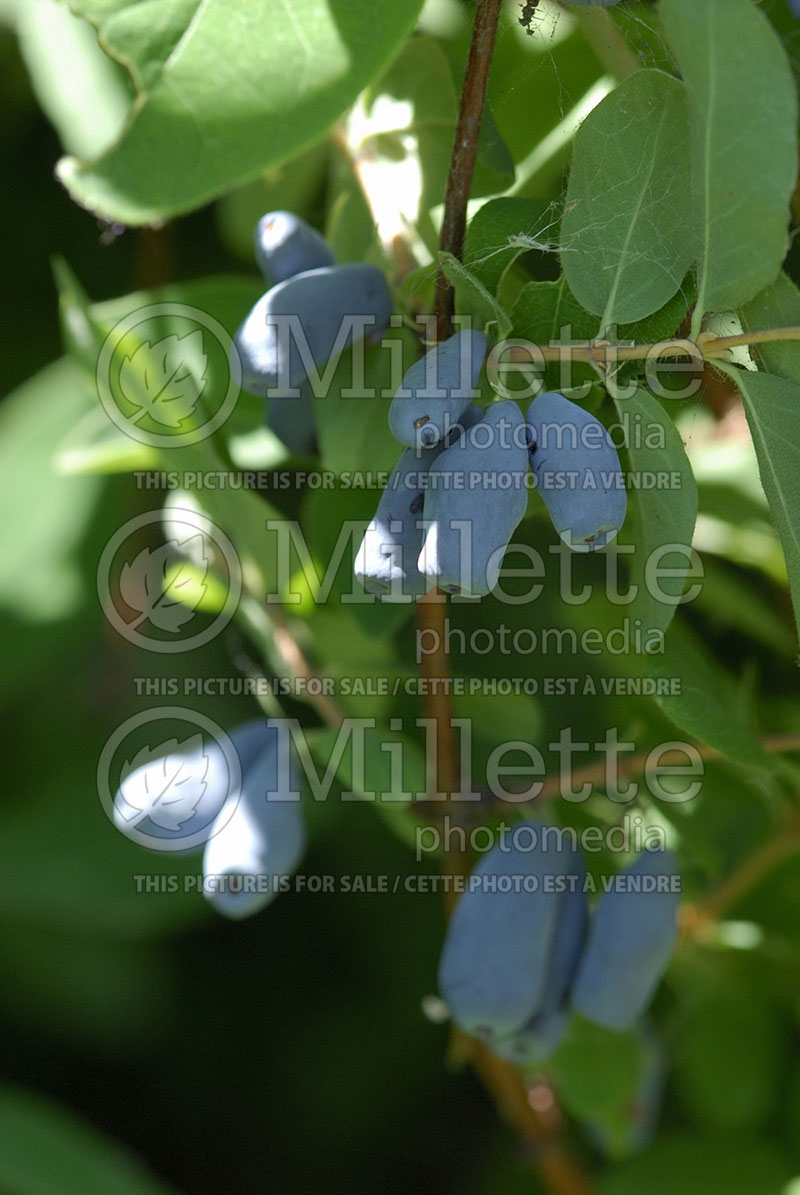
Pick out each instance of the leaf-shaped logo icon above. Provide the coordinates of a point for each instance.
(166, 603)
(167, 788)
(165, 379)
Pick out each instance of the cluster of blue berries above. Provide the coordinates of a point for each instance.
(313, 310)
(522, 949)
(239, 806)
(459, 490)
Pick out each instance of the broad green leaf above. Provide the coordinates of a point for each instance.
(728, 1033)
(95, 445)
(707, 705)
(472, 297)
(597, 1074)
(225, 90)
(83, 92)
(353, 430)
(499, 231)
(778, 306)
(694, 1165)
(46, 1149)
(662, 520)
(624, 247)
(743, 114)
(39, 573)
(547, 313)
(380, 781)
(772, 405)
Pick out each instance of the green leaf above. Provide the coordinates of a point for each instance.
(660, 517)
(390, 801)
(707, 705)
(225, 89)
(95, 445)
(541, 311)
(490, 246)
(39, 573)
(46, 1149)
(777, 306)
(624, 243)
(729, 1033)
(696, 1165)
(472, 297)
(83, 92)
(743, 114)
(353, 431)
(598, 1073)
(772, 406)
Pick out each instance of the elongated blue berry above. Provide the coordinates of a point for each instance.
(293, 421)
(175, 798)
(386, 562)
(632, 933)
(494, 967)
(476, 496)
(577, 472)
(543, 1032)
(259, 834)
(285, 245)
(299, 324)
(437, 389)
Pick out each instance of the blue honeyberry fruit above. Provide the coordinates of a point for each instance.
(299, 324)
(437, 389)
(176, 797)
(494, 966)
(259, 834)
(578, 472)
(386, 561)
(293, 421)
(794, 7)
(285, 245)
(543, 1033)
(476, 497)
(632, 933)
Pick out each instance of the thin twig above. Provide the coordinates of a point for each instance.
(696, 918)
(706, 348)
(558, 1173)
(552, 786)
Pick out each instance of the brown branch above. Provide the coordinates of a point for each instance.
(595, 773)
(465, 150)
(559, 1175)
(696, 918)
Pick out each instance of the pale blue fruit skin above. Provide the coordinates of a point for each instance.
(631, 937)
(386, 562)
(569, 439)
(293, 421)
(321, 299)
(493, 970)
(457, 363)
(542, 1035)
(254, 836)
(247, 739)
(285, 245)
(794, 7)
(464, 498)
